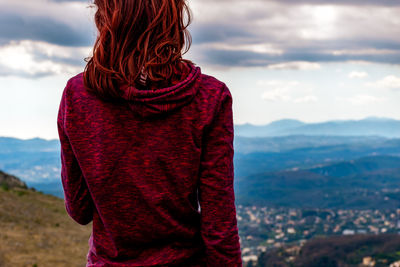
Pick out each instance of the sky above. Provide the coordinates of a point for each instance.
(311, 60)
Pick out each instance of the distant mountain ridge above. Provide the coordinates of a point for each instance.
(13, 145)
(246, 145)
(359, 166)
(258, 155)
(370, 126)
(37, 161)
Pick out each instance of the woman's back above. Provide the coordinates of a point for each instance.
(138, 168)
(147, 145)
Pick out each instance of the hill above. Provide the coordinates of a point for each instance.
(37, 161)
(271, 129)
(10, 181)
(278, 144)
(304, 152)
(366, 183)
(366, 127)
(36, 229)
(335, 251)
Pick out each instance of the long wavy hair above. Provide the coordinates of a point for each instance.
(137, 40)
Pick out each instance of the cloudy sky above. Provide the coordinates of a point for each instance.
(310, 60)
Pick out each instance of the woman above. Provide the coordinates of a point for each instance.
(147, 144)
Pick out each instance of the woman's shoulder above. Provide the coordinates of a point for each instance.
(211, 81)
(214, 87)
(75, 80)
(75, 86)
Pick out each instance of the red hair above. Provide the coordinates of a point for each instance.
(136, 37)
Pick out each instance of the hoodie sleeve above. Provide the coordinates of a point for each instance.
(216, 192)
(77, 199)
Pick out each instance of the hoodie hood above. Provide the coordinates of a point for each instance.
(150, 102)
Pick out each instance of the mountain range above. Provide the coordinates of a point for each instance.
(302, 152)
(369, 126)
(37, 161)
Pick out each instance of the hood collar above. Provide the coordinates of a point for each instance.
(150, 102)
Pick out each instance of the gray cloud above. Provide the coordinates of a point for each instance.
(247, 58)
(206, 33)
(35, 59)
(20, 27)
(78, 60)
(344, 2)
(234, 32)
(321, 31)
(4, 71)
(326, 2)
(234, 58)
(50, 36)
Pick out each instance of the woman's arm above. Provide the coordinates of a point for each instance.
(216, 192)
(77, 198)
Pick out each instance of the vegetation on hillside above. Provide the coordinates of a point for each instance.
(37, 231)
(335, 251)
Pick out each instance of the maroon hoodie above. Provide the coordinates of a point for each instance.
(154, 173)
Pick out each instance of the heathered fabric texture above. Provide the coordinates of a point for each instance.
(139, 170)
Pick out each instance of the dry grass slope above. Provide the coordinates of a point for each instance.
(35, 230)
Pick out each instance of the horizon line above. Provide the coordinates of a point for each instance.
(317, 122)
(242, 124)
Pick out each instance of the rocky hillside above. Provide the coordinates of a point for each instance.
(10, 181)
(36, 229)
